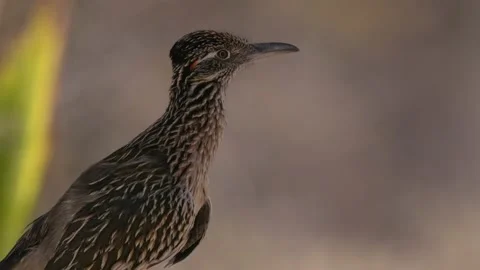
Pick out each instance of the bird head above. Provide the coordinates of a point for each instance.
(210, 56)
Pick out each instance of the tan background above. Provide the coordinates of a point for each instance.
(358, 152)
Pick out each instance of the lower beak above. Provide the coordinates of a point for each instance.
(261, 50)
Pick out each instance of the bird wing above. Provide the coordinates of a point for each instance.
(40, 234)
(196, 234)
(139, 216)
(33, 235)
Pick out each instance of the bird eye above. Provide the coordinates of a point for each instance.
(223, 54)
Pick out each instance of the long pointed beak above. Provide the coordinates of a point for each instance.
(261, 50)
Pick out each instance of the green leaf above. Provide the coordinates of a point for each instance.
(28, 77)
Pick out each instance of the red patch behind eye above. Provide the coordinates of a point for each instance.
(193, 65)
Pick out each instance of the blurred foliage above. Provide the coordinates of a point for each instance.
(28, 75)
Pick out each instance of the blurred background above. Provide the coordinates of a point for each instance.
(358, 152)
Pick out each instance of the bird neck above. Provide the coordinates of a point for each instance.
(189, 131)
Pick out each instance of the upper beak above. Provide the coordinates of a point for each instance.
(261, 50)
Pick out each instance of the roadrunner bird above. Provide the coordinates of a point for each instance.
(147, 202)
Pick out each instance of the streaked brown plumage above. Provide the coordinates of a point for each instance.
(147, 202)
